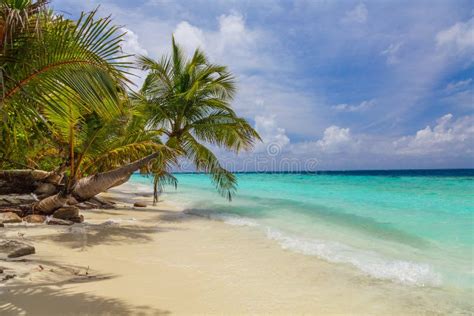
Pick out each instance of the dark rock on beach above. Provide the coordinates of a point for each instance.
(66, 212)
(139, 204)
(57, 221)
(77, 219)
(17, 199)
(15, 249)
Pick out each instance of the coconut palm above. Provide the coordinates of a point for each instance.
(101, 152)
(64, 105)
(45, 59)
(63, 86)
(190, 100)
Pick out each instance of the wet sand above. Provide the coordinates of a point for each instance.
(159, 260)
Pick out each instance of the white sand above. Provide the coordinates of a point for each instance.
(158, 261)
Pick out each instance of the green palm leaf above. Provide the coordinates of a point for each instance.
(190, 99)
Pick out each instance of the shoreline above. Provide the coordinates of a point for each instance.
(159, 260)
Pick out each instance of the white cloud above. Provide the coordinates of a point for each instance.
(457, 38)
(189, 36)
(335, 140)
(131, 45)
(233, 28)
(448, 136)
(357, 15)
(271, 134)
(364, 105)
(449, 140)
(232, 43)
(391, 53)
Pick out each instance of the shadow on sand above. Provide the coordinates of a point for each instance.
(86, 236)
(116, 231)
(54, 300)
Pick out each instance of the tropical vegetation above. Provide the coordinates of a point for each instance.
(70, 114)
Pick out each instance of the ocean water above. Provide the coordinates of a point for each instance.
(409, 227)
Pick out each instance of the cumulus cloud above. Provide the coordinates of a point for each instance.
(271, 134)
(357, 15)
(457, 38)
(335, 139)
(448, 140)
(189, 36)
(364, 105)
(131, 45)
(232, 43)
(448, 136)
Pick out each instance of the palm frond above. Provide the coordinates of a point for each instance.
(205, 161)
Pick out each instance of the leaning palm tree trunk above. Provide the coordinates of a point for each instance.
(51, 203)
(90, 186)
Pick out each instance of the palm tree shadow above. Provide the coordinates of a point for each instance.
(45, 300)
(90, 235)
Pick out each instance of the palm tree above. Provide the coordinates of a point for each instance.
(64, 83)
(190, 100)
(102, 152)
(64, 105)
(47, 61)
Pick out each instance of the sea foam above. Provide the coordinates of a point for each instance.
(230, 219)
(371, 263)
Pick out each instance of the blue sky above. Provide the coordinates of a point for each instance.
(342, 84)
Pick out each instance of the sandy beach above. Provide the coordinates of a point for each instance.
(310, 157)
(159, 260)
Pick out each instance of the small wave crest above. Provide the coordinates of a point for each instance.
(238, 221)
(400, 271)
(371, 263)
(227, 218)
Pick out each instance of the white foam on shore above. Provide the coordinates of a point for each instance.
(235, 220)
(400, 271)
(371, 263)
(230, 219)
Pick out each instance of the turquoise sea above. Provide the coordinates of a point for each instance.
(411, 227)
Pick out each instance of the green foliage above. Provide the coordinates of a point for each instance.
(190, 100)
(54, 73)
(65, 103)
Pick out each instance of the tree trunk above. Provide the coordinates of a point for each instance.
(50, 204)
(90, 186)
(28, 181)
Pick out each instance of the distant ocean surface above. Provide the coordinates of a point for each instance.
(414, 227)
